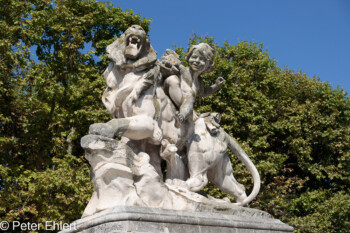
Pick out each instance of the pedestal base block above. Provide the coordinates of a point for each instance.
(151, 220)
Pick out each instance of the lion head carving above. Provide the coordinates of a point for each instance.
(212, 121)
(131, 54)
(130, 46)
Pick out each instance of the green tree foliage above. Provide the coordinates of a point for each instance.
(296, 130)
(48, 103)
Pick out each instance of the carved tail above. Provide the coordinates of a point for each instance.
(241, 155)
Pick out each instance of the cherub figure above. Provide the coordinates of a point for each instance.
(184, 87)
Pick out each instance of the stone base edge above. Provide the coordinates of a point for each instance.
(143, 219)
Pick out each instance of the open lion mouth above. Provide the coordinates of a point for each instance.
(133, 46)
(134, 41)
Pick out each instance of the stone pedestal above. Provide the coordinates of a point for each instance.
(152, 220)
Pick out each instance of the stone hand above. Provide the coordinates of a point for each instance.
(179, 116)
(219, 81)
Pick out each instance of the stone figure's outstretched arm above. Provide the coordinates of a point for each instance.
(206, 91)
(243, 157)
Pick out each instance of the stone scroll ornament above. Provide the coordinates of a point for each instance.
(151, 102)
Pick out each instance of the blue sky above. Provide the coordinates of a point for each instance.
(312, 36)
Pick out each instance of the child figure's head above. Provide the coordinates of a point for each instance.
(201, 58)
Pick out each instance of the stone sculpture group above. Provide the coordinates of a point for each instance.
(151, 102)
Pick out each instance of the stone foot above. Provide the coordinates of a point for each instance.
(168, 150)
(102, 129)
(177, 182)
(239, 199)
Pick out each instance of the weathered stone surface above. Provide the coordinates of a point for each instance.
(129, 196)
(152, 107)
(121, 177)
(141, 219)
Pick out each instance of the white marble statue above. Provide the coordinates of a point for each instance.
(152, 107)
(184, 88)
(131, 78)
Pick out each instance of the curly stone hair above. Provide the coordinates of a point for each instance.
(208, 53)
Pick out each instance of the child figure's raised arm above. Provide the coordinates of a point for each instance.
(206, 91)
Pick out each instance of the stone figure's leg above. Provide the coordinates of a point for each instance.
(155, 160)
(222, 177)
(167, 110)
(143, 119)
(104, 129)
(172, 88)
(134, 128)
(138, 122)
(175, 165)
(198, 171)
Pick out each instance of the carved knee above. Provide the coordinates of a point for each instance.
(119, 126)
(102, 129)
